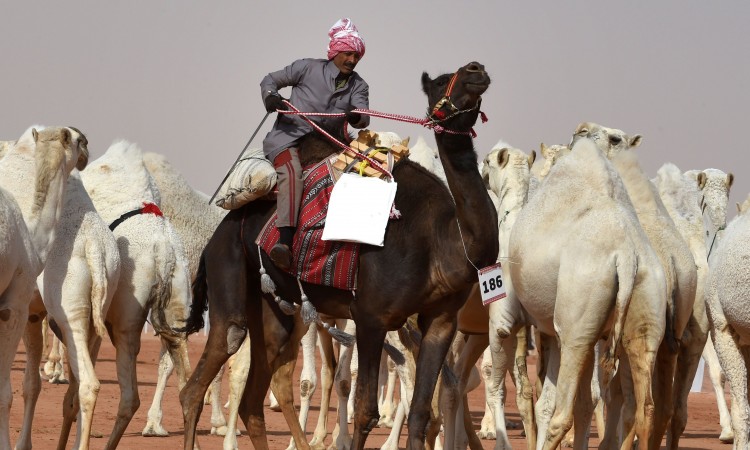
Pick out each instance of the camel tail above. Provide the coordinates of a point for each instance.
(627, 267)
(95, 258)
(166, 264)
(195, 320)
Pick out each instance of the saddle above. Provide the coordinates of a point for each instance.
(329, 263)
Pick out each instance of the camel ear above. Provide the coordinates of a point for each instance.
(582, 128)
(545, 151)
(65, 137)
(426, 80)
(502, 157)
(35, 134)
(532, 158)
(405, 142)
(702, 178)
(635, 141)
(730, 180)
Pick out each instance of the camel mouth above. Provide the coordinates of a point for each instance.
(477, 88)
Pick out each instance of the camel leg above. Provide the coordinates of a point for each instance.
(487, 428)
(308, 380)
(127, 344)
(388, 409)
(545, 404)
(502, 351)
(641, 362)
(327, 370)
(54, 368)
(437, 333)
(342, 440)
(735, 368)
(281, 383)
(237, 378)
(524, 390)
(609, 435)
(583, 409)
(153, 419)
(398, 422)
(455, 415)
(573, 361)
(353, 371)
(716, 374)
(366, 415)
(663, 394)
(687, 364)
(32, 382)
(213, 398)
(83, 391)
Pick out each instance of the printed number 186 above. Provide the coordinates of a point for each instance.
(492, 284)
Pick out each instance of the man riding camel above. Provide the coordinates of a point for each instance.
(318, 85)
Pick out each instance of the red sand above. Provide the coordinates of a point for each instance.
(702, 429)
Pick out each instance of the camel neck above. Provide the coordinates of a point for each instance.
(40, 210)
(474, 210)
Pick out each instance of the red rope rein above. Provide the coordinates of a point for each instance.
(425, 122)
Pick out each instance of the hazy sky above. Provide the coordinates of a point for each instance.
(182, 78)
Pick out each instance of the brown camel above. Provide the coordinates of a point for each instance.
(427, 267)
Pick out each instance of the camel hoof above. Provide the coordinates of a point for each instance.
(154, 430)
(385, 422)
(487, 435)
(96, 434)
(341, 444)
(512, 425)
(727, 436)
(316, 444)
(57, 379)
(275, 407)
(219, 431)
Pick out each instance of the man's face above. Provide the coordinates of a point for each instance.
(346, 62)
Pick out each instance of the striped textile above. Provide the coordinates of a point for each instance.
(328, 263)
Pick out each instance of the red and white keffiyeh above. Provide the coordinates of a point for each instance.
(344, 37)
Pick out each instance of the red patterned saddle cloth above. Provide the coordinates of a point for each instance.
(328, 263)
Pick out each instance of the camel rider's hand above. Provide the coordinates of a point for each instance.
(273, 102)
(353, 117)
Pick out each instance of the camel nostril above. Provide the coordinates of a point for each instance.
(474, 67)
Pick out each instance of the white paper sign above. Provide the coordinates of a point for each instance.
(359, 209)
(491, 284)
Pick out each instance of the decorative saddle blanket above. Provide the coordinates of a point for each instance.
(328, 263)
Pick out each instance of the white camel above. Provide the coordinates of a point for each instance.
(682, 198)
(714, 186)
(578, 256)
(726, 304)
(77, 286)
(154, 277)
(33, 175)
(679, 268)
(506, 171)
(194, 220)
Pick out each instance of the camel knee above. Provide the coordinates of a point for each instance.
(306, 388)
(343, 388)
(235, 336)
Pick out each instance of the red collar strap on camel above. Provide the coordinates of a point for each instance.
(148, 208)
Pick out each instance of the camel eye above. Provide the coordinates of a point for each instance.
(583, 131)
(615, 139)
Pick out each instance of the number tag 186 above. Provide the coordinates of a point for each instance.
(491, 284)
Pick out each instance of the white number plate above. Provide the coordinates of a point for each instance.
(491, 284)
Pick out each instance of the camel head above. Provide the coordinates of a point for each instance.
(551, 154)
(57, 149)
(610, 141)
(714, 185)
(79, 140)
(455, 98)
(507, 168)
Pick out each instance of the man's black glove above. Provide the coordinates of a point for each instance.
(274, 102)
(353, 117)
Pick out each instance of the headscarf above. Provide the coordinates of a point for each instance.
(344, 37)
